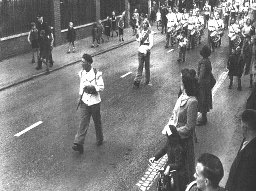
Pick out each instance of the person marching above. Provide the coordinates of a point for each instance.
(33, 41)
(182, 46)
(71, 37)
(113, 23)
(199, 23)
(121, 26)
(220, 24)
(145, 38)
(226, 15)
(235, 67)
(184, 21)
(171, 26)
(212, 31)
(91, 84)
(191, 30)
(207, 11)
(234, 33)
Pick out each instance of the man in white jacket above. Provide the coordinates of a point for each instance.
(91, 83)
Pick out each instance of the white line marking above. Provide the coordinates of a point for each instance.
(170, 50)
(29, 128)
(150, 176)
(126, 74)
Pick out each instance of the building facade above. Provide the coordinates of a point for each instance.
(16, 16)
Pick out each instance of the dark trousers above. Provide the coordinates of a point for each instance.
(182, 53)
(85, 113)
(143, 58)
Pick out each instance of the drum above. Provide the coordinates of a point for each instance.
(193, 31)
(192, 187)
(214, 33)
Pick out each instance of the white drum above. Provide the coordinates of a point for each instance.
(214, 33)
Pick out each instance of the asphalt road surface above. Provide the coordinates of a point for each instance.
(42, 158)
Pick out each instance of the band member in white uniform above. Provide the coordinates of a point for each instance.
(220, 24)
(234, 32)
(145, 38)
(212, 29)
(171, 26)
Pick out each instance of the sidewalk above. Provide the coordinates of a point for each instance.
(19, 69)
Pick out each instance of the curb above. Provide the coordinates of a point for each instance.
(65, 65)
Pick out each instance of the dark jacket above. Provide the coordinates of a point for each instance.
(204, 81)
(43, 26)
(235, 65)
(71, 34)
(242, 175)
(251, 101)
(247, 55)
(45, 47)
(176, 162)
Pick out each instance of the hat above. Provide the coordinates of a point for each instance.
(167, 130)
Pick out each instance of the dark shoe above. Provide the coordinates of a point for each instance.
(99, 143)
(38, 68)
(78, 147)
(179, 60)
(201, 123)
(136, 85)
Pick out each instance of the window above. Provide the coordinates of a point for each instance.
(80, 12)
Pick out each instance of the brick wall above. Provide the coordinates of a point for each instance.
(19, 44)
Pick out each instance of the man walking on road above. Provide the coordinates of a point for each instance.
(242, 174)
(145, 38)
(91, 83)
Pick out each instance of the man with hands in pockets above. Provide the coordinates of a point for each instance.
(91, 83)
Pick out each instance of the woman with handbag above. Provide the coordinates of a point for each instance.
(183, 122)
(206, 82)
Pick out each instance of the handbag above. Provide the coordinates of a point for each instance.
(212, 81)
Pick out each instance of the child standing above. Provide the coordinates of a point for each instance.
(182, 46)
(101, 31)
(107, 27)
(113, 23)
(33, 41)
(71, 37)
(235, 67)
(95, 34)
(121, 27)
(175, 153)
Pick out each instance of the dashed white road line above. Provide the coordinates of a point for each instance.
(128, 73)
(151, 174)
(28, 128)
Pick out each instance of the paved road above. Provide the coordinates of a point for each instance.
(42, 158)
